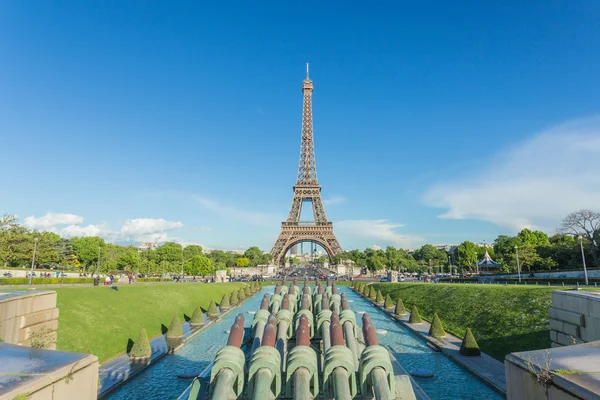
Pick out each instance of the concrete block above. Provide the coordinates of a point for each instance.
(577, 304)
(43, 328)
(553, 345)
(595, 308)
(553, 336)
(38, 317)
(567, 316)
(591, 332)
(51, 338)
(567, 340)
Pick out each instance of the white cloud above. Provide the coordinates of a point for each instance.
(71, 225)
(334, 200)
(253, 218)
(147, 226)
(51, 220)
(90, 230)
(533, 185)
(380, 230)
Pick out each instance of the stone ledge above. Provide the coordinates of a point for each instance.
(567, 316)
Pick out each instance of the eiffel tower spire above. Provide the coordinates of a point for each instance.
(306, 190)
(307, 169)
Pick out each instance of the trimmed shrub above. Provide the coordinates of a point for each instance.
(175, 330)
(414, 318)
(469, 345)
(248, 292)
(437, 329)
(379, 297)
(241, 295)
(373, 293)
(212, 311)
(400, 310)
(224, 304)
(43, 281)
(365, 290)
(197, 317)
(389, 304)
(233, 299)
(141, 347)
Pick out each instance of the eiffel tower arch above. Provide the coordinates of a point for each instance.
(306, 189)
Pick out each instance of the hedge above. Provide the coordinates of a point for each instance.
(141, 347)
(44, 281)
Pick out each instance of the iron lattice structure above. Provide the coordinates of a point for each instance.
(307, 188)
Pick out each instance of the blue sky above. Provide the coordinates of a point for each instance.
(436, 123)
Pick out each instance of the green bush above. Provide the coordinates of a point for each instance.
(175, 330)
(233, 299)
(151, 280)
(469, 345)
(437, 329)
(389, 304)
(44, 281)
(224, 304)
(366, 290)
(414, 318)
(373, 293)
(241, 295)
(141, 347)
(197, 317)
(400, 310)
(212, 311)
(379, 297)
(248, 292)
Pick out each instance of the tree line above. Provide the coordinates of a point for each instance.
(536, 250)
(92, 254)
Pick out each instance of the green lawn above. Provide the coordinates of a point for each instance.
(100, 320)
(504, 319)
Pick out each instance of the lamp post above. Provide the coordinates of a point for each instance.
(518, 266)
(35, 240)
(98, 266)
(182, 262)
(583, 257)
(450, 265)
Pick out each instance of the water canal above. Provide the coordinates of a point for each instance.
(451, 381)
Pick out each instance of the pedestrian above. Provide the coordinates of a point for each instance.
(107, 281)
(130, 278)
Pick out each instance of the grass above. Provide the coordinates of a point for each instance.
(504, 319)
(102, 321)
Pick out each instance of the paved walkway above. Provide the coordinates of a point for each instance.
(486, 367)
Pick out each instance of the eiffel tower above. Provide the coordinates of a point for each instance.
(306, 189)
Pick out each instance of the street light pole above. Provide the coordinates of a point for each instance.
(518, 266)
(98, 267)
(583, 257)
(182, 261)
(35, 240)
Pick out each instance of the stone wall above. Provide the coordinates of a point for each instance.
(39, 374)
(27, 315)
(574, 317)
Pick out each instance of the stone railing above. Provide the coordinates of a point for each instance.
(574, 317)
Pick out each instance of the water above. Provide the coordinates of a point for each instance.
(159, 381)
(451, 381)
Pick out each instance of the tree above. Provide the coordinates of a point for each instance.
(191, 251)
(533, 238)
(8, 221)
(467, 255)
(171, 252)
(199, 265)
(87, 249)
(585, 223)
(14, 245)
(243, 262)
(254, 254)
